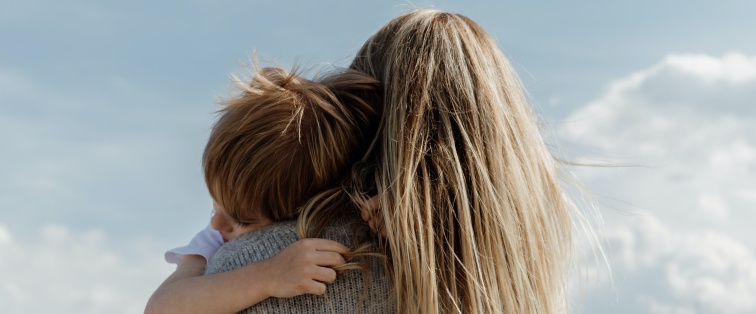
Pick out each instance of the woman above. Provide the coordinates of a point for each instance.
(475, 219)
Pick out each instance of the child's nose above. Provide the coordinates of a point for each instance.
(218, 223)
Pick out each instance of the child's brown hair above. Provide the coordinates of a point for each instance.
(284, 139)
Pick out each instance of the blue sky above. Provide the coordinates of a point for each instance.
(105, 107)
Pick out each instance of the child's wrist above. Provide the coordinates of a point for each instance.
(260, 286)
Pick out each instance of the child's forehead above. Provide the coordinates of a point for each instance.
(245, 213)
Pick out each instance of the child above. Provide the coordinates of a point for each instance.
(283, 140)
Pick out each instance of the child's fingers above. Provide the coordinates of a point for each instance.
(315, 287)
(370, 214)
(326, 258)
(324, 275)
(373, 223)
(381, 226)
(328, 245)
(364, 214)
(376, 224)
(373, 204)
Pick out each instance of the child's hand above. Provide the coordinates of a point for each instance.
(302, 267)
(371, 214)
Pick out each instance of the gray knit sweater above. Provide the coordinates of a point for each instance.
(343, 296)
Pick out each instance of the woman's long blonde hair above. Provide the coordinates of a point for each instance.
(475, 216)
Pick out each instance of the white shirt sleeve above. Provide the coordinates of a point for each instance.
(205, 243)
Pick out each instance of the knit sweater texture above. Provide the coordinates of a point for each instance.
(342, 296)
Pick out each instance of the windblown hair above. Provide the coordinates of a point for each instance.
(285, 139)
(475, 216)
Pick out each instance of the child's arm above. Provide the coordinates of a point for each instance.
(302, 267)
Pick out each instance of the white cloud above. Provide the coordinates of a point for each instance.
(658, 270)
(688, 245)
(713, 206)
(63, 271)
(733, 67)
(699, 151)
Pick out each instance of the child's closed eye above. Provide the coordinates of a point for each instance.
(246, 223)
(243, 224)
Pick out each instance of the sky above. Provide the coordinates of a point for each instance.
(105, 107)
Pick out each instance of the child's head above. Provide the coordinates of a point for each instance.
(283, 139)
